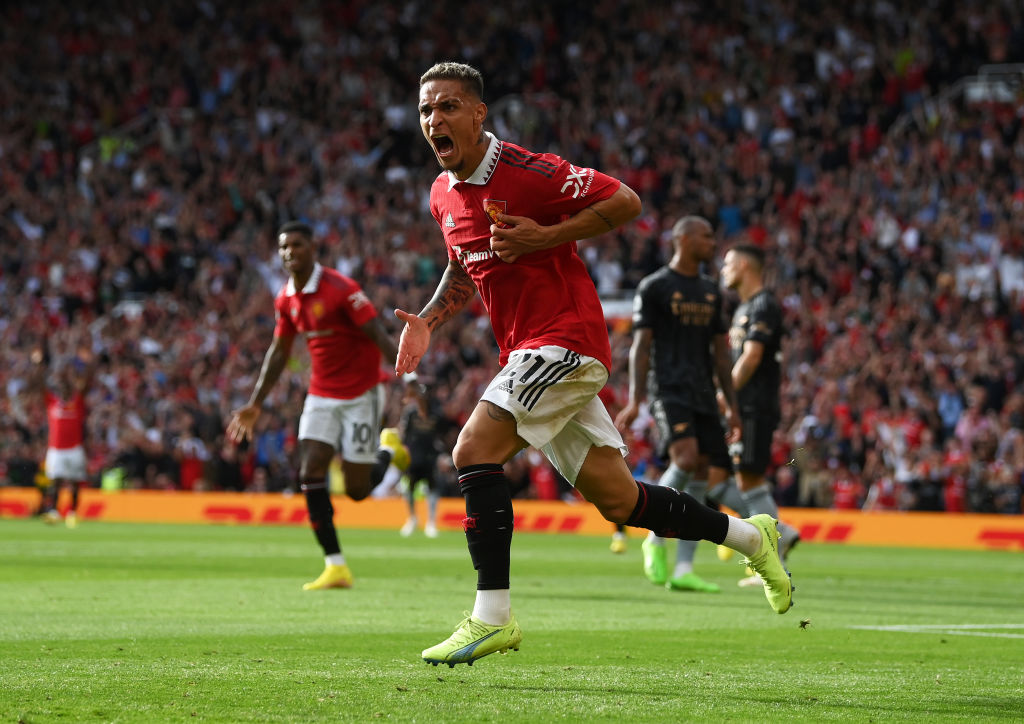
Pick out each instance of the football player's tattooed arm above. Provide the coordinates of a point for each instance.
(453, 293)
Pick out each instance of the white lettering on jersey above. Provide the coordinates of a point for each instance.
(358, 299)
(578, 181)
(469, 257)
(317, 333)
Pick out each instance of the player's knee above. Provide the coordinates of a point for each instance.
(473, 450)
(614, 504)
(615, 511)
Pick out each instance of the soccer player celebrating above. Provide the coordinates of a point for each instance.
(65, 415)
(510, 219)
(756, 341)
(680, 353)
(343, 407)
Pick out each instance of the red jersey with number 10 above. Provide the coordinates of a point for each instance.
(545, 297)
(328, 312)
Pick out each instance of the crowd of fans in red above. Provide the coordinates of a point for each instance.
(148, 151)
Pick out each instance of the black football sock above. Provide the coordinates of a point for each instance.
(488, 523)
(75, 487)
(673, 514)
(321, 514)
(380, 467)
(50, 495)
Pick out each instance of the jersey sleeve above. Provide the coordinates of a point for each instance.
(357, 305)
(283, 325)
(764, 322)
(644, 306)
(570, 188)
(719, 325)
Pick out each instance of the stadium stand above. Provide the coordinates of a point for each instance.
(149, 150)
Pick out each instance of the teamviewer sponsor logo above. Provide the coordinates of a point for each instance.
(466, 258)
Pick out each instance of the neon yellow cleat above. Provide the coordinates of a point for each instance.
(692, 582)
(724, 553)
(655, 565)
(778, 588)
(618, 543)
(473, 640)
(389, 440)
(71, 520)
(332, 577)
(52, 517)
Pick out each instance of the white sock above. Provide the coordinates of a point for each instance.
(655, 540)
(493, 607)
(743, 537)
(335, 559)
(682, 568)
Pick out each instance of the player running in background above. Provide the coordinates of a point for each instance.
(756, 342)
(66, 465)
(344, 403)
(679, 350)
(422, 428)
(510, 220)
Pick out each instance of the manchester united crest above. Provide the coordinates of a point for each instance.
(493, 207)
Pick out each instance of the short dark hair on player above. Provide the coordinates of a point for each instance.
(752, 252)
(296, 227)
(469, 76)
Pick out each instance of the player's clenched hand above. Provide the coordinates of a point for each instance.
(242, 422)
(513, 236)
(626, 416)
(413, 343)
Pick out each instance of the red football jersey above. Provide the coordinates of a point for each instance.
(66, 421)
(546, 297)
(328, 312)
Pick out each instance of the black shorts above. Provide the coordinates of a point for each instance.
(676, 420)
(755, 450)
(423, 469)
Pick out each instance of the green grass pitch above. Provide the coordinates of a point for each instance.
(171, 623)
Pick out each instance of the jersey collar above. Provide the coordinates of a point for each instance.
(486, 168)
(312, 284)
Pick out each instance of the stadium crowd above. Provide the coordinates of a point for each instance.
(148, 152)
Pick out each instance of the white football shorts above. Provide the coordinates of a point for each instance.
(552, 393)
(351, 427)
(66, 464)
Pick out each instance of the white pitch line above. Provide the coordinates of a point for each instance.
(955, 629)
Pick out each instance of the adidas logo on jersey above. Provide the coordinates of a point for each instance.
(449, 222)
(505, 386)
